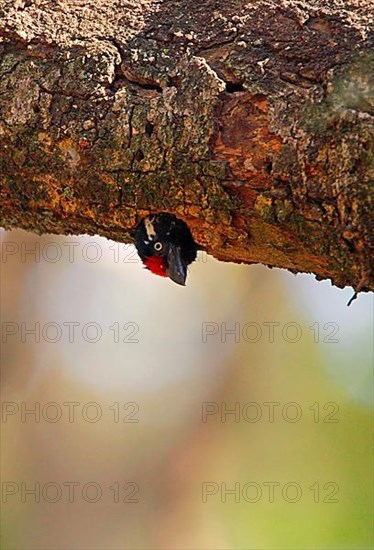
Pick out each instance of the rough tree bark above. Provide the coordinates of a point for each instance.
(252, 121)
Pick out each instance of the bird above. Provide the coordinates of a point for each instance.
(166, 246)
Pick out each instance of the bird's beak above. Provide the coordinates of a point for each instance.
(176, 269)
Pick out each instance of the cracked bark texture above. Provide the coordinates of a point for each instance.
(253, 122)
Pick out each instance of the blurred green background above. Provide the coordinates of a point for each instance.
(159, 432)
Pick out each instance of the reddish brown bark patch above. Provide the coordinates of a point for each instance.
(244, 140)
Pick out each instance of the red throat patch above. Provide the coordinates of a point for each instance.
(157, 265)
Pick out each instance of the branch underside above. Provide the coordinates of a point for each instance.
(254, 124)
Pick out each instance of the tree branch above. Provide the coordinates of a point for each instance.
(252, 122)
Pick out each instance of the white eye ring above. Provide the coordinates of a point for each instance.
(158, 246)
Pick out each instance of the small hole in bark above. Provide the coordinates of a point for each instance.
(36, 109)
(174, 81)
(232, 87)
(268, 166)
(150, 86)
(149, 129)
(139, 155)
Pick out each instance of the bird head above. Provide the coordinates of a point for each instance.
(165, 246)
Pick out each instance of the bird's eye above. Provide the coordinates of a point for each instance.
(158, 246)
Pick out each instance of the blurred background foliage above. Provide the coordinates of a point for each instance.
(171, 452)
